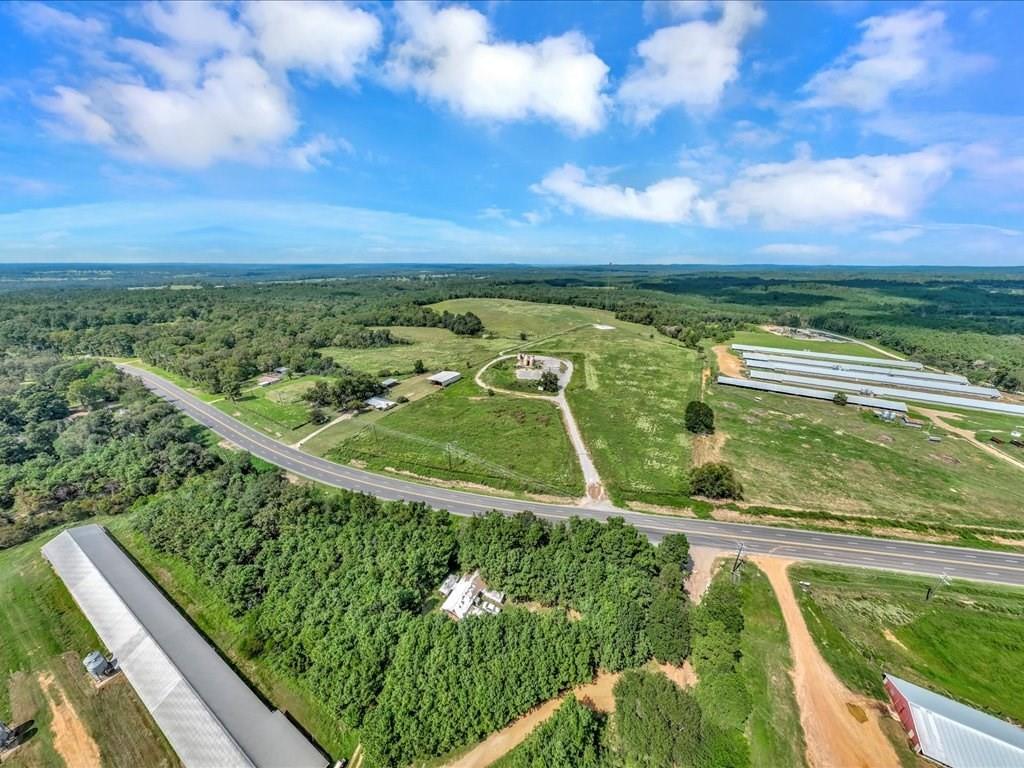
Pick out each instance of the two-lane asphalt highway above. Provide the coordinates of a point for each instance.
(887, 554)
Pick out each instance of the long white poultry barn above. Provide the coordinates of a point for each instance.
(953, 378)
(209, 715)
(875, 390)
(816, 394)
(884, 361)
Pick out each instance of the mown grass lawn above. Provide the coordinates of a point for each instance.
(773, 730)
(791, 451)
(500, 441)
(966, 642)
(438, 348)
(43, 635)
(509, 318)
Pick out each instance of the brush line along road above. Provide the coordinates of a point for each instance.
(887, 554)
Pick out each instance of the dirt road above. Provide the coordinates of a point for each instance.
(70, 738)
(596, 695)
(842, 729)
(938, 418)
(728, 363)
(703, 563)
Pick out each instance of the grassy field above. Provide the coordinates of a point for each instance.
(43, 638)
(766, 339)
(773, 731)
(966, 642)
(501, 441)
(438, 348)
(797, 452)
(507, 318)
(628, 394)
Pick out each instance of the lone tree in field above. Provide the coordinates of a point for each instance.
(839, 398)
(419, 367)
(699, 418)
(549, 381)
(715, 480)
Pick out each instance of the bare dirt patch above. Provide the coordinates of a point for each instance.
(842, 729)
(70, 738)
(596, 695)
(728, 363)
(702, 569)
(708, 448)
(892, 638)
(684, 676)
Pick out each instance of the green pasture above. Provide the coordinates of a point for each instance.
(773, 731)
(791, 451)
(508, 318)
(505, 442)
(438, 348)
(628, 393)
(965, 643)
(43, 635)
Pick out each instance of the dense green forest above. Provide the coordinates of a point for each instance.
(235, 323)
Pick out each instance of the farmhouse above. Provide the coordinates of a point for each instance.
(951, 733)
(380, 403)
(445, 378)
(469, 596)
(206, 711)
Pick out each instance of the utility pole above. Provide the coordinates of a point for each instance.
(737, 563)
(943, 581)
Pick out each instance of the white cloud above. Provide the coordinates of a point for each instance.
(907, 49)
(752, 136)
(897, 236)
(314, 152)
(669, 201)
(173, 67)
(677, 9)
(331, 40)
(796, 249)
(197, 24)
(42, 19)
(23, 185)
(76, 115)
(837, 191)
(689, 64)
(449, 55)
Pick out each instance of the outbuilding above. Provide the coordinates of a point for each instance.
(953, 734)
(389, 383)
(445, 378)
(380, 403)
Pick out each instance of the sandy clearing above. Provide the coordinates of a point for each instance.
(707, 448)
(728, 363)
(70, 738)
(938, 418)
(842, 729)
(596, 695)
(703, 568)
(684, 676)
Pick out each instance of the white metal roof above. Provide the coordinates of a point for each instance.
(817, 394)
(380, 403)
(893, 378)
(444, 378)
(463, 595)
(886, 361)
(873, 390)
(211, 718)
(954, 378)
(959, 736)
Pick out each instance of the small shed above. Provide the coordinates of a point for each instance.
(445, 378)
(380, 403)
(282, 370)
(389, 383)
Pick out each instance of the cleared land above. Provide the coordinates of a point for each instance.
(461, 434)
(794, 452)
(43, 638)
(966, 642)
(767, 339)
(840, 728)
(773, 730)
(438, 348)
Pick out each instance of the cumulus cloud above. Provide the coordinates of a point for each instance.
(803, 192)
(677, 9)
(796, 249)
(689, 64)
(669, 201)
(837, 191)
(903, 50)
(330, 40)
(212, 86)
(42, 19)
(449, 55)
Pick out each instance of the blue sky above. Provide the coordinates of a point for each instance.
(632, 132)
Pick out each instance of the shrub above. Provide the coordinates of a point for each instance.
(839, 398)
(716, 480)
(549, 381)
(699, 418)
